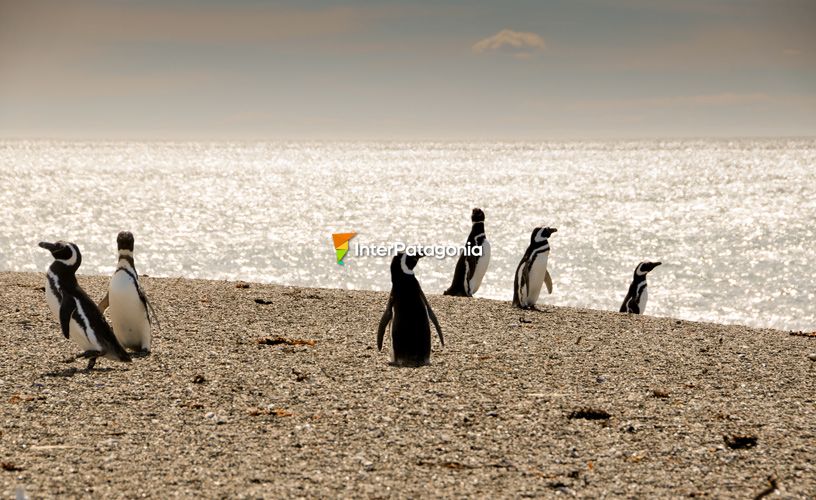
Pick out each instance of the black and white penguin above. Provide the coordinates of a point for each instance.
(410, 312)
(532, 270)
(470, 270)
(130, 311)
(635, 301)
(79, 317)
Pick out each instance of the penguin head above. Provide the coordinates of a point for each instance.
(64, 252)
(124, 240)
(477, 215)
(645, 267)
(403, 264)
(541, 234)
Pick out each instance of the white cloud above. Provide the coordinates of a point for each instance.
(516, 43)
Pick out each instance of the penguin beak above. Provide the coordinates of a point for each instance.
(51, 247)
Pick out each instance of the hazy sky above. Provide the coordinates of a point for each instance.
(174, 69)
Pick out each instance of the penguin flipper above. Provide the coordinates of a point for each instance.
(548, 281)
(104, 303)
(67, 308)
(433, 317)
(386, 318)
(149, 311)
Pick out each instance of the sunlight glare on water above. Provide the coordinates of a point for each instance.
(732, 221)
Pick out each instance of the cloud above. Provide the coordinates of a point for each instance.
(519, 44)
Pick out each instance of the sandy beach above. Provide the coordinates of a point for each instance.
(561, 401)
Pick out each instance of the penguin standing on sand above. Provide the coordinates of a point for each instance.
(635, 301)
(470, 269)
(130, 310)
(80, 319)
(410, 312)
(532, 270)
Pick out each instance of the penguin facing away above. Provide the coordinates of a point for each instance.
(635, 300)
(532, 269)
(470, 270)
(409, 313)
(80, 319)
(130, 311)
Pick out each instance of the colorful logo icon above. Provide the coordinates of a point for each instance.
(341, 245)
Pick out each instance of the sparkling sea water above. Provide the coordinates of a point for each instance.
(733, 221)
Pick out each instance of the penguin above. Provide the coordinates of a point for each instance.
(469, 271)
(532, 270)
(130, 311)
(80, 319)
(635, 300)
(410, 312)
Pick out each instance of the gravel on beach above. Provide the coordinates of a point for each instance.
(267, 391)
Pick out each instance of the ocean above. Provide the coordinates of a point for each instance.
(731, 220)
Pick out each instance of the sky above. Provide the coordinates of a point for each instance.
(395, 70)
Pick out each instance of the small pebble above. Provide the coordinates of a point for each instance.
(812, 356)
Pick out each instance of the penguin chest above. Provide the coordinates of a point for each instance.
(128, 314)
(80, 330)
(644, 295)
(50, 297)
(75, 331)
(535, 279)
(481, 267)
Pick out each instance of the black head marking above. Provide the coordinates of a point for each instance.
(645, 267)
(540, 234)
(64, 252)
(477, 215)
(124, 241)
(403, 264)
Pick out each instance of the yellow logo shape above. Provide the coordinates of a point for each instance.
(341, 245)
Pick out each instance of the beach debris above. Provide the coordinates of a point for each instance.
(772, 487)
(299, 376)
(589, 414)
(199, 379)
(282, 340)
(803, 334)
(242, 285)
(525, 320)
(660, 393)
(10, 467)
(17, 398)
(740, 441)
(278, 412)
(263, 302)
(217, 419)
(578, 340)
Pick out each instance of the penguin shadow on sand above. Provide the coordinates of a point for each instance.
(70, 372)
(409, 315)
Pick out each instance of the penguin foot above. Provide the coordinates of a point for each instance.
(141, 353)
(92, 355)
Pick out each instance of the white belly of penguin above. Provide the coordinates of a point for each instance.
(127, 312)
(644, 294)
(481, 268)
(535, 279)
